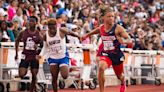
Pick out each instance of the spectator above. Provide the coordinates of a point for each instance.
(3, 31)
(12, 9)
(19, 17)
(146, 15)
(10, 31)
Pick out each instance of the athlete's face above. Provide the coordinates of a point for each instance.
(32, 22)
(109, 18)
(52, 27)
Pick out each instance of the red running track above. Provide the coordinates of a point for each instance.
(132, 88)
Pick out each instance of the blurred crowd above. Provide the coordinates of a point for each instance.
(142, 19)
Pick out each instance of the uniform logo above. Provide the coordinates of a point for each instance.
(30, 44)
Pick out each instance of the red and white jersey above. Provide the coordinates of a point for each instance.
(109, 44)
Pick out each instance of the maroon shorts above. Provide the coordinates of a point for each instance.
(118, 69)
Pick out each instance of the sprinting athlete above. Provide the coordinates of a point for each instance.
(109, 53)
(31, 39)
(55, 45)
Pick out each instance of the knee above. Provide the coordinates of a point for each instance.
(21, 75)
(34, 77)
(102, 66)
(54, 78)
(65, 76)
(120, 77)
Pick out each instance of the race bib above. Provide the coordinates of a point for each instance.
(30, 44)
(56, 50)
(108, 45)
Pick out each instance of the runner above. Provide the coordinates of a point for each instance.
(109, 53)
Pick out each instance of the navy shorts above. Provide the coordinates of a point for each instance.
(34, 64)
(116, 59)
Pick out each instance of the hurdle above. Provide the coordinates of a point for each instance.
(6, 71)
(86, 66)
(144, 59)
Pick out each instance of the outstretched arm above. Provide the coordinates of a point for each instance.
(122, 35)
(65, 31)
(43, 51)
(94, 31)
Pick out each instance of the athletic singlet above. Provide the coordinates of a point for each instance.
(110, 46)
(109, 40)
(56, 46)
(29, 41)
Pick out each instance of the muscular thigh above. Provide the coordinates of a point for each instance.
(64, 71)
(23, 66)
(34, 64)
(54, 69)
(104, 61)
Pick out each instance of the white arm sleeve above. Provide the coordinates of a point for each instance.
(44, 49)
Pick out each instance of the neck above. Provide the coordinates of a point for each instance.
(108, 26)
(52, 33)
(32, 29)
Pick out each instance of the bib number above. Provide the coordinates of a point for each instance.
(108, 45)
(56, 50)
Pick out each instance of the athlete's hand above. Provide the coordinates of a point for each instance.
(36, 46)
(83, 37)
(97, 60)
(38, 57)
(80, 39)
(130, 45)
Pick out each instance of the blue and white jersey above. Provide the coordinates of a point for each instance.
(56, 46)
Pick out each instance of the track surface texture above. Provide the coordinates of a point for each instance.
(131, 88)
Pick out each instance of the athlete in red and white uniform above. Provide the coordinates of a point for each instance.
(109, 53)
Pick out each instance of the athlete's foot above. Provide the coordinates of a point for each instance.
(123, 87)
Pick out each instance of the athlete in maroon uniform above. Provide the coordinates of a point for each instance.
(109, 53)
(31, 39)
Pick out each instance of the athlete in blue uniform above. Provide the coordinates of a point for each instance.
(55, 44)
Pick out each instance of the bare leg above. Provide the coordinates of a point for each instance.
(54, 69)
(102, 66)
(64, 71)
(34, 79)
(22, 72)
(121, 78)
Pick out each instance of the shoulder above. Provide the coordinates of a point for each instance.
(22, 32)
(20, 35)
(44, 37)
(38, 32)
(119, 28)
(99, 27)
(63, 29)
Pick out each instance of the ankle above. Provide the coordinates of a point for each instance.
(123, 83)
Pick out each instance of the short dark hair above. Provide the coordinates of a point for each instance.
(9, 24)
(34, 17)
(106, 9)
